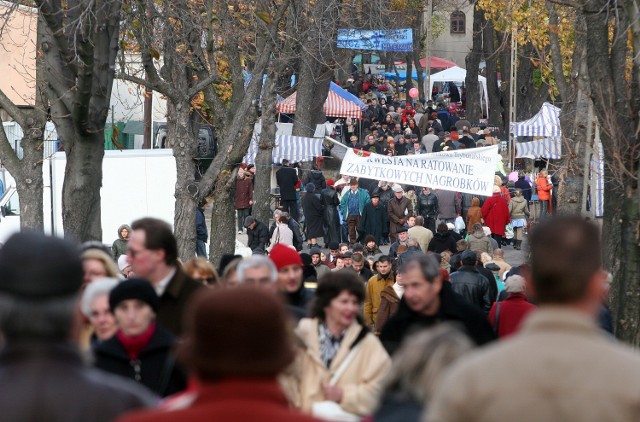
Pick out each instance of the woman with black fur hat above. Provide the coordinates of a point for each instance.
(140, 349)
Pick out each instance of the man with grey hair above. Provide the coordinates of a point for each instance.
(42, 373)
(259, 271)
(292, 224)
(428, 301)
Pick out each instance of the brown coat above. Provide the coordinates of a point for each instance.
(398, 212)
(174, 301)
(559, 367)
(474, 214)
(244, 192)
(389, 302)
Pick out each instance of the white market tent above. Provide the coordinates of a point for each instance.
(546, 124)
(458, 74)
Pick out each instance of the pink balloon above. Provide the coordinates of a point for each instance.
(413, 93)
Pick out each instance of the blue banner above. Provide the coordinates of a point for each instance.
(384, 40)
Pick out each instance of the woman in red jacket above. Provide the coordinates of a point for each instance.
(495, 213)
(512, 310)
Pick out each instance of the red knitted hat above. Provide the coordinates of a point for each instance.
(282, 255)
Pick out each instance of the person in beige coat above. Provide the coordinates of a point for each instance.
(422, 234)
(560, 366)
(326, 340)
(519, 212)
(478, 241)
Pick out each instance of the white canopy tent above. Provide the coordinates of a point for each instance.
(458, 74)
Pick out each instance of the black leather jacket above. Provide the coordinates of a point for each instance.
(427, 205)
(473, 286)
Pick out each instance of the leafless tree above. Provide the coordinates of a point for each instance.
(26, 169)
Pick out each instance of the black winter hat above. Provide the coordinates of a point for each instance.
(135, 288)
(38, 267)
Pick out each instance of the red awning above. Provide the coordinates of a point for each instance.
(438, 63)
(334, 106)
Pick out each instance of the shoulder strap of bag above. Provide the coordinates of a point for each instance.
(355, 346)
(496, 319)
(343, 366)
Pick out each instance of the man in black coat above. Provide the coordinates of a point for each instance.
(258, 235)
(470, 284)
(427, 301)
(374, 220)
(287, 179)
(331, 220)
(313, 214)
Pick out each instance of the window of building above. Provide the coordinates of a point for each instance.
(458, 22)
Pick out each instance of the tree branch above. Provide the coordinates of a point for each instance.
(569, 3)
(54, 24)
(13, 110)
(8, 155)
(566, 90)
(201, 85)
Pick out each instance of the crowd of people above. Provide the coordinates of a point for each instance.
(376, 213)
(300, 336)
(320, 323)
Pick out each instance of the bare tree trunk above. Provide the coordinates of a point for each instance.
(79, 48)
(222, 239)
(262, 186)
(472, 61)
(573, 119)
(493, 91)
(181, 131)
(530, 93)
(28, 171)
(316, 66)
(313, 88)
(615, 107)
(30, 176)
(420, 80)
(408, 58)
(81, 214)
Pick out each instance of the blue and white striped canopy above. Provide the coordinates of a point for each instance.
(547, 148)
(545, 123)
(292, 148)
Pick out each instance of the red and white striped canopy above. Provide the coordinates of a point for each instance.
(334, 106)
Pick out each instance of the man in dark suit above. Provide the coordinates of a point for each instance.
(287, 179)
(153, 255)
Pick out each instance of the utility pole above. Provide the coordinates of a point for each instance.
(148, 105)
(513, 94)
(428, 13)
